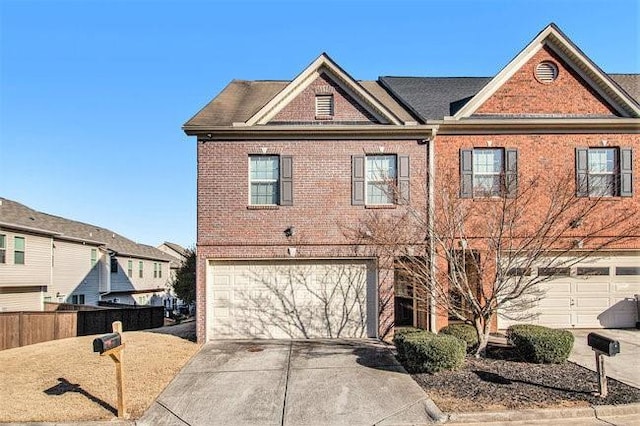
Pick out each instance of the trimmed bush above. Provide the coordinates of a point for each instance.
(399, 336)
(465, 332)
(425, 352)
(541, 345)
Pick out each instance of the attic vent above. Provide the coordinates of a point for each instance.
(546, 72)
(324, 106)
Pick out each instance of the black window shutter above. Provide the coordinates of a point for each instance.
(466, 173)
(357, 180)
(511, 173)
(286, 180)
(626, 172)
(582, 169)
(403, 179)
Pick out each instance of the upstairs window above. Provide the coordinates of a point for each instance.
(488, 172)
(94, 257)
(270, 180)
(604, 172)
(18, 250)
(130, 268)
(114, 265)
(324, 106)
(3, 248)
(140, 269)
(265, 173)
(379, 179)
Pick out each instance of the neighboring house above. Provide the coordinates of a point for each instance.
(46, 258)
(286, 169)
(178, 255)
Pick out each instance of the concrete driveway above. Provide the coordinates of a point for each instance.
(313, 382)
(624, 367)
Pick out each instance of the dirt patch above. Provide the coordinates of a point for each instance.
(499, 384)
(64, 380)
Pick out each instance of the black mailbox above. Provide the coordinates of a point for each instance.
(603, 344)
(105, 342)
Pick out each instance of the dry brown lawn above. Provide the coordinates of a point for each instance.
(64, 380)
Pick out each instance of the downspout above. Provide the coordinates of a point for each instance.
(431, 148)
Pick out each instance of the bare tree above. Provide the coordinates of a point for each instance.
(484, 251)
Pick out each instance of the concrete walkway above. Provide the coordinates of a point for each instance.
(317, 382)
(624, 367)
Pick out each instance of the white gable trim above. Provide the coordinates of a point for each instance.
(323, 65)
(574, 58)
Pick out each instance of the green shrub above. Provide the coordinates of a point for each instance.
(425, 352)
(465, 332)
(541, 345)
(399, 336)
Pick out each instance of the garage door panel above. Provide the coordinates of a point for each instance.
(592, 303)
(585, 287)
(555, 302)
(296, 300)
(626, 287)
(556, 288)
(597, 301)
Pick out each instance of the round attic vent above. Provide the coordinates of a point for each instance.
(546, 72)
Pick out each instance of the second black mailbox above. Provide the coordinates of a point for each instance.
(603, 344)
(107, 341)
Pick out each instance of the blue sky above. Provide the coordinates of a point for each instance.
(93, 94)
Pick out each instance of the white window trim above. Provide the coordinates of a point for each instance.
(250, 181)
(367, 181)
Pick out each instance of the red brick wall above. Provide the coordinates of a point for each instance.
(551, 155)
(523, 94)
(303, 107)
(321, 212)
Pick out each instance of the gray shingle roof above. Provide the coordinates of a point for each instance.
(434, 97)
(428, 98)
(629, 83)
(21, 216)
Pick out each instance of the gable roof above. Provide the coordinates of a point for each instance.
(433, 98)
(552, 37)
(324, 64)
(176, 247)
(241, 99)
(14, 214)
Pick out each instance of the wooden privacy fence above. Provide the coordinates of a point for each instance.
(26, 328)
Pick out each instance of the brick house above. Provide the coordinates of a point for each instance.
(288, 169)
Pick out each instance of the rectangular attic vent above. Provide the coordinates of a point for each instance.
(324, 105)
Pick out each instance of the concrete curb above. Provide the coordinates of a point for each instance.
(594, 411)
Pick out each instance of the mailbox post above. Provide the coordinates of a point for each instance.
(111, 344)
(602, 345)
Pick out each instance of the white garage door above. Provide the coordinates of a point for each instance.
(596, 294)
(21, 298)
(291, 299)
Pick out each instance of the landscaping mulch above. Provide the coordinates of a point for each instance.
(488, 384)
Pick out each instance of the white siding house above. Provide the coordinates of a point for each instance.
(46, 258)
